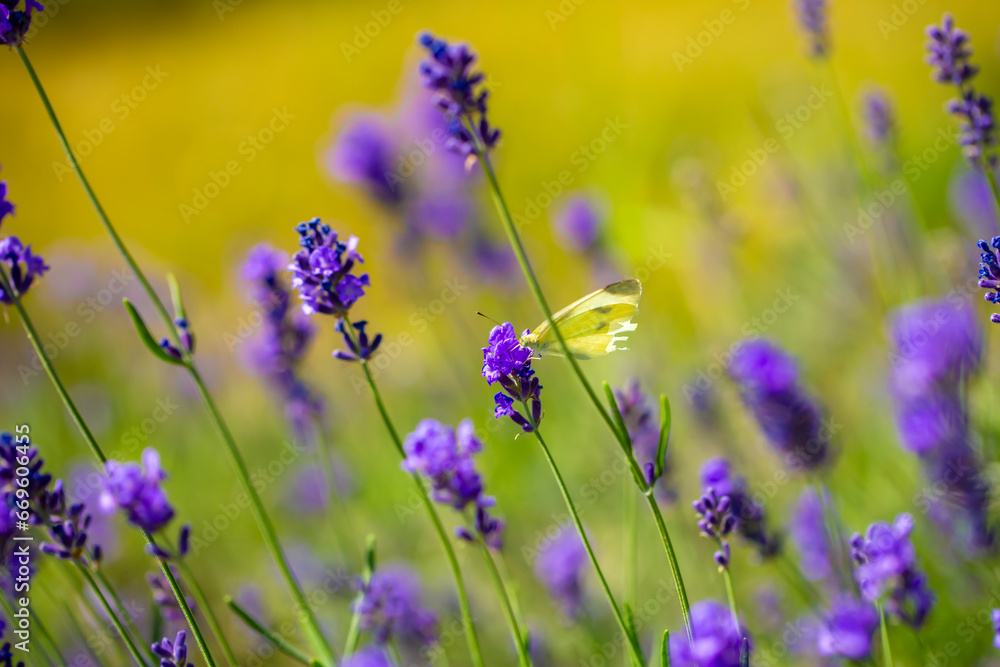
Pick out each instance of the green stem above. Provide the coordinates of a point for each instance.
(675, 569)
(727, 577)
(508, 610)
(276, 640)
(122, 609)
(95, 448)
(634, 650)
(206, 608)
(9, 611)
(311, 624)
(463, 598)
(620, 435)
(515, 604)
(886, 647)
(631, 551)
(132, 649)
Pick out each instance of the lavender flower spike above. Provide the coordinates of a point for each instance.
(751, 522)
(846, 630)
(389, 607)
(716, 643)
(459, 95)
(6, 208)
(23, 267)
(369, 656)
(508, 362)
(989, 272)
(887, 566)
(322, 271)
(811, 15)
(560, 567)
(14, 23)
(879, 120)
(995, 617)
(172, 653)
(716, 522)
(135, 490)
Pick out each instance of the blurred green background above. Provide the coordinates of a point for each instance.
(557, 76)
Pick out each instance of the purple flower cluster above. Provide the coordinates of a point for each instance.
(443, 456)
(949, 52)
(642, 421)
(277, 351)
(14, 23)
(322, 270)
(67, 525)
(359, 346)
(579, 223)
(369, 656)
(887, 566)
(363, 154)
(811, 15)
(989, 272)
(560, 567)
(172, 653)
(807, 529)
(847, 628)
(22, 265)
(995, 618)
(6, 207)
(751, 522)
(459, 95)
(716, 642)
(879, 120)
(716, 521)
(164, 598)
(508, 362)
(135, 490)
(769, 386)
(389, 607)
(937, 347)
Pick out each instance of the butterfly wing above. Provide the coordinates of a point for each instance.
(592, 326)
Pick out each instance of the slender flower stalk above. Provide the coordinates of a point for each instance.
(470, 630)
(524, 659)
(474, 137)
(176, 337)
(97, 451)
(884, 626)
(110, 611)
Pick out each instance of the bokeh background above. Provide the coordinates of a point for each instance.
(712, 266)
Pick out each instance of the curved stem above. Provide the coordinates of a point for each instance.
(126, 616)
(630, 640)
(463, 598)
(95, 448)
(310, 623)
(886, 647)
(132, 649)
(727, 577)
(275, 640)
(675, 569)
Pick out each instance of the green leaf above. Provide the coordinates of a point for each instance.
(370, 544)
(633, 633)
(624, 440)
(665, 649)
(666, 420)
(146, 337)
(274, 639)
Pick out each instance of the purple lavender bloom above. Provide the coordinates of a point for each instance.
(508, 362)
(751, 522)
(989, 272)
(949, 52)
(6, 208)
(68, 526)
(369, 656)
(879, 119)
(808, 532)
(847, 628)
(716, 522)
(811, 15)
(23, 267)
(7, 657)
(716, 642)
(322, 270)
(14, 23)
(579, 222)
(172, 653)
(363, 348)
(560, 567)
(995, 618)
(887, 565)
(769, 387)
(642, 421)
(164, 598)
(389, 607)
(363, 155)
(443, 455)
(135, 490)
(443, 215)
(459, 95)
(937, 347)
(35, 482)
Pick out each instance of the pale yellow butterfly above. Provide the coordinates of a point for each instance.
(592, 326)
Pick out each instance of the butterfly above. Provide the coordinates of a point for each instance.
(592, 326)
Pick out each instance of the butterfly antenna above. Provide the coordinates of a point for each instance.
(488, 317)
